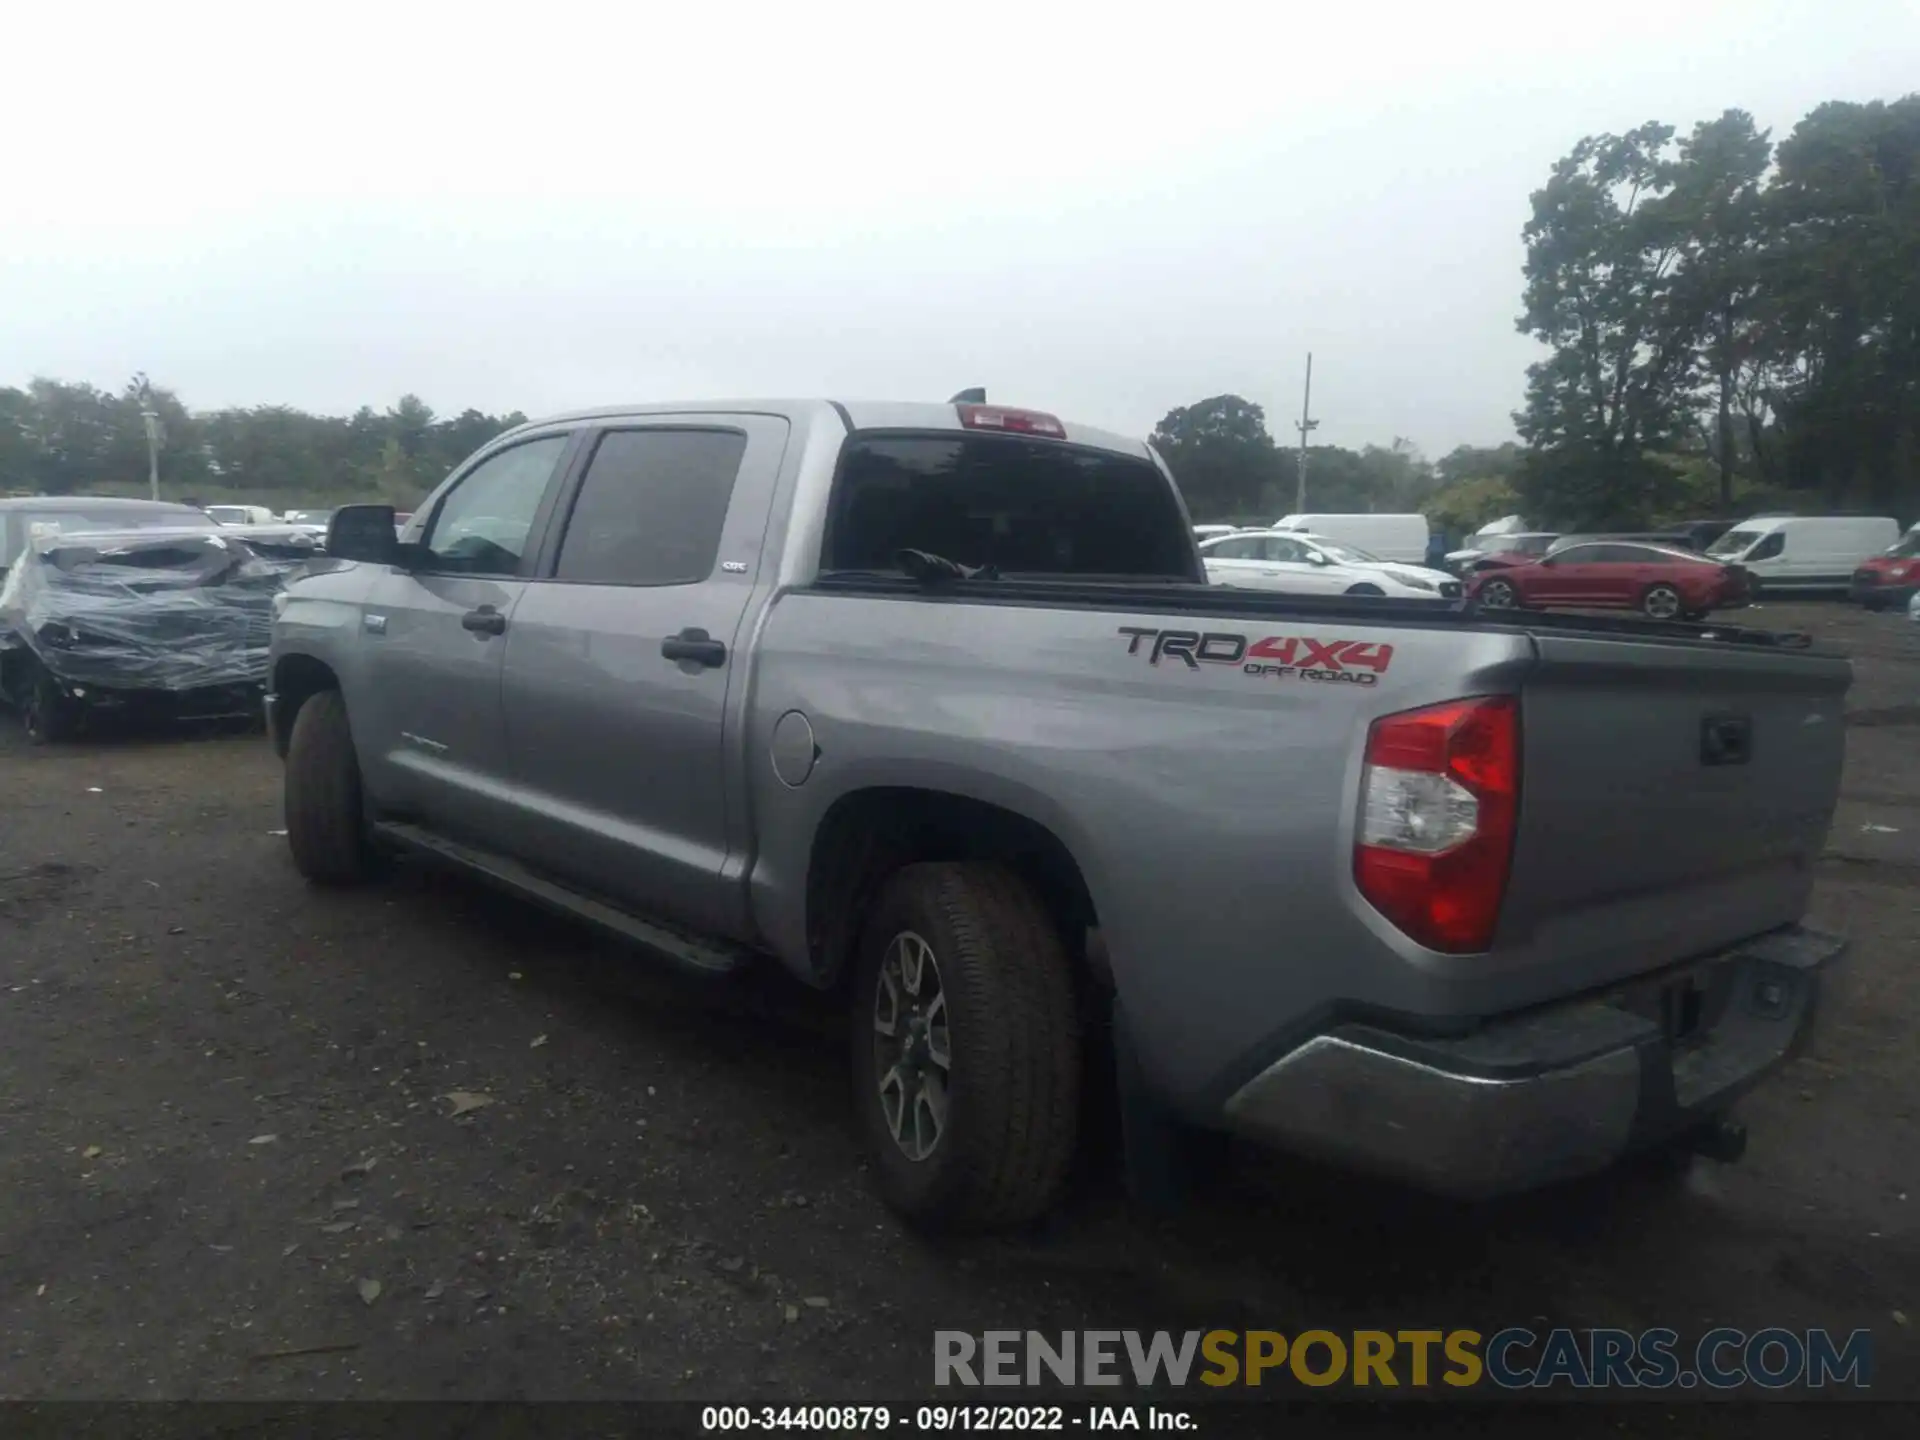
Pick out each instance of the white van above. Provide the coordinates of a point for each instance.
(1400, 538)
(1805, 552)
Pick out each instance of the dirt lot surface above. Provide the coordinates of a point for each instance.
(226, 1135)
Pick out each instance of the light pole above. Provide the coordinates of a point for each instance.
(149, 417)
(1305, 426)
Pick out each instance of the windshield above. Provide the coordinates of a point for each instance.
(1733, 542)
(1526, 544)
(1020, 506)
(17, 527)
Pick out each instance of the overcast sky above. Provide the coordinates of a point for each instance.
(1101, 210)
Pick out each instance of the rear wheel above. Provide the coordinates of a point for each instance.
(48, 716)
(1661, 602)
(966, 1048)
(326, 818)
(1498, 595)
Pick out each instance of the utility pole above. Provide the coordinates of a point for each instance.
(1305, 426)
(150, 417)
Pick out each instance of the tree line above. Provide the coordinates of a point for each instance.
(1729, 324)
(1714, 298)
(60, 439)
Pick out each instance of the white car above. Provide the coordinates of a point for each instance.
(1309, 565)
(241, 514)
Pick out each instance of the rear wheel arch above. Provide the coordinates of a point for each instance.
(869, 835)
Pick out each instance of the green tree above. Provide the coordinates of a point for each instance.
(1715, 205)
(1222, 455)
(1475, 462)
(18, 457)
(1602, 249)
(1841, 313)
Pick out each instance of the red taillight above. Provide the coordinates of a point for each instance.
(1439, 800)
(1012, 422)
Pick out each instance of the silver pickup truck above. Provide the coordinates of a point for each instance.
(931, 705)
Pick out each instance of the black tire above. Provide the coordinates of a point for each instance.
(1498, 595)
(326, 818)
(1012, 1107)
(1872, 602)
(1365, 589)
(1661, 602)
(47, 716)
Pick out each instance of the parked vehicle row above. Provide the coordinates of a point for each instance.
(931, 705)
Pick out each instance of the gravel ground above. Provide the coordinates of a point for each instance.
(418, 1141)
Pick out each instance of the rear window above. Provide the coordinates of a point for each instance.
(1025, 507)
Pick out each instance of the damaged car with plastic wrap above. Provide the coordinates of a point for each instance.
(156, 624)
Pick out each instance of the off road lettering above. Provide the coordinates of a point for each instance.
(1301, 657)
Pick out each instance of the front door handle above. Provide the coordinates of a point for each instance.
(484, 621)
(695, 645)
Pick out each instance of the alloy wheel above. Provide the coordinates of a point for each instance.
(912, 1048)
(1662, 603)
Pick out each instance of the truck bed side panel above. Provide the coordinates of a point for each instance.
(1210, 809)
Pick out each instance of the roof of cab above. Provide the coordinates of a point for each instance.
(860, 414)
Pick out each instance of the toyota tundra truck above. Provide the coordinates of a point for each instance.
(932, 706)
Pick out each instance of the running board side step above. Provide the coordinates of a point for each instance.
(701, 956)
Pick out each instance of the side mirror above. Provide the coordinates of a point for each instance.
(1318, 558)
(363, 532)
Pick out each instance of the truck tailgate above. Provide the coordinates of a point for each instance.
(1674, 799)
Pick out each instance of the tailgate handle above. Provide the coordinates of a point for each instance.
(1726, 740)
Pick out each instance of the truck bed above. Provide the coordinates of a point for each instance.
(1209, 790)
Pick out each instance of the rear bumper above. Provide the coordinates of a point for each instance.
(1551, 1094)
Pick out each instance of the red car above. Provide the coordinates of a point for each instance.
(1891, 578)
(1661, 583)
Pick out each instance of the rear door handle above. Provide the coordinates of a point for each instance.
(695, 645)
(484, 621)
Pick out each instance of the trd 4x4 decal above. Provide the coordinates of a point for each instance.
(1277, 657)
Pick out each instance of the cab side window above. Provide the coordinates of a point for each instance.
(651, 508)
(482, 525)
(1281, 551)
(1575, 555)
(1240, 548)
(1774, 544)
